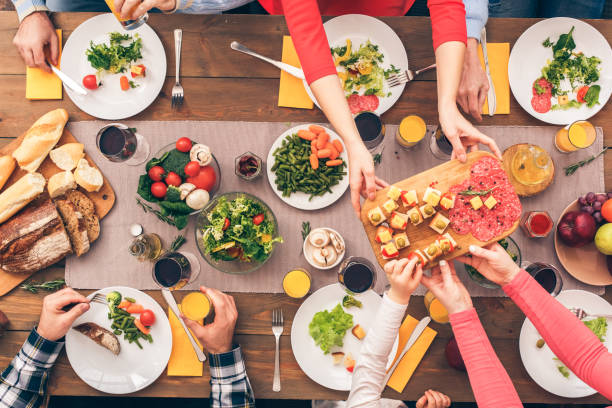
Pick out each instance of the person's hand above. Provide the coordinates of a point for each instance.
(54, 322)
(217, 337)
(133, 9)
(463, 135)
(362, 179)
(404, 275)
(433, 399)
(493, 262)
(474, 83)
(447, 288)
(35, 33)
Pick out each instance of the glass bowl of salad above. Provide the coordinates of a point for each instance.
(513, 250)
(236, 233)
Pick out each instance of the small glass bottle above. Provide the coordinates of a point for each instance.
(536, 224)
(248, 166)
(144, 246)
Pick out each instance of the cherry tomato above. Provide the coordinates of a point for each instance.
(192, 168)
(258, 219)
(156, 173)
(205, 179)
(147, 317)
(173, 179)
(183, 144)
(124, 82)
(226, 224)
(581, 93)
(158, 189)
(90, 82)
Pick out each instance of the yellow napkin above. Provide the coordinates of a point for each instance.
(183, 360)
(499, 54)
(41, 84)
(291, 92)
(404, 370)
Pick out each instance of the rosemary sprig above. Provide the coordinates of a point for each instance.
(571, 169)
(305, 229)
(470, 192)
(49, 286)
(377, 158)
(177, 243)
(147, 208)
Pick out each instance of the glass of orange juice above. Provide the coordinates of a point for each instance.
(127, 23)
(579, 135)
(436, 309)
(411, 131)
(196, 306)
(297, 282)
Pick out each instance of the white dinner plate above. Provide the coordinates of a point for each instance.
(539, 362)
(299, 199)
(109, 101)
(359, 29)
(318, 366)
(133, 369)
(528, 57)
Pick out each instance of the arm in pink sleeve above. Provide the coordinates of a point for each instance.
(447, 21)
(570, 340)
(306, 29)
(490, 382)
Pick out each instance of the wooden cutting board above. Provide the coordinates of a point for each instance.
(103, 199)
(420, 236)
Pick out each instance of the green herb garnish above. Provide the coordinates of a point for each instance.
(305, 229)
(179, 221)
(177, 243)
(116, 57)
(49, 286)
(470, 192)
(349, 301)
(571, 169)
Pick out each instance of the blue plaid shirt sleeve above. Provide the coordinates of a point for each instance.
(230, 386)
(26, 7)
(23, 383)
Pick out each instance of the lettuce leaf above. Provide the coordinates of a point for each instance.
(328, 328)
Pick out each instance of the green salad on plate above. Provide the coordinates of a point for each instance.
(327, 329)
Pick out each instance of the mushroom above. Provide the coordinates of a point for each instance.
(319, 238)
(186, 188)
(337, 242)
(201, 153)
(324, 256)
(197, 199)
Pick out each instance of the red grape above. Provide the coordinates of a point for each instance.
(590, 197)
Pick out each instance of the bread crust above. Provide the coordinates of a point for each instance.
(100, 335)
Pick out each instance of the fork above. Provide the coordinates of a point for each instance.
(406, 76)
(277, 329)
(97, 298)
(177, 89)
(581, 313)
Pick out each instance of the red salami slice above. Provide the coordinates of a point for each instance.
(541, 103)
(360, 103)
(354, 103)
(544, 84)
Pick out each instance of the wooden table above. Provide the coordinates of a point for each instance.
(221, 84)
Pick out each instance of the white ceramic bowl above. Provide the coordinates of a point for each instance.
(308, 245)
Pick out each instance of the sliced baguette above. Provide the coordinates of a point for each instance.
(18, 195)
(88, 177)
(67, 156)
(7, 165)
(88, 209)
(100, 335)
(60, 183)
(75, 225)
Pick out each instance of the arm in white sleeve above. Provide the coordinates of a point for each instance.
(371, 366)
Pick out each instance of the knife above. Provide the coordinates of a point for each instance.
(290, 69)
(68, 81)
(174, 307)
(491, 94)
(416, 333)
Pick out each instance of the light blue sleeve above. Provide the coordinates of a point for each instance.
(207, 6)
(26, 7)
(476, 15)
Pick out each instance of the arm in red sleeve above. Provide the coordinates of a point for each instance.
(570, 340)
(447, 21)
(490, 382)
(306, 29)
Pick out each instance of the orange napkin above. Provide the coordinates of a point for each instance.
(291, 92)
(41, 84)
(183, 360)
(499, 54)
(404, 370)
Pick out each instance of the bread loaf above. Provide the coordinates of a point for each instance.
(75, 225)
(100, 335)
(60, 183)
(67, 156)
(88, 209)
(7, 165)
(40, 139)
(34, 239)
(18, 195)
(88, 177)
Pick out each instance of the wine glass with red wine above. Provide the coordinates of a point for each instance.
(357, 274)
(174, 270)
(120, 143)
(546, 275)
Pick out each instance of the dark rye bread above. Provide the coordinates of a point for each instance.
(88, 209)
(75, 225)
(33, 239)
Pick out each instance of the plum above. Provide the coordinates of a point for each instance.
(453, 355)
